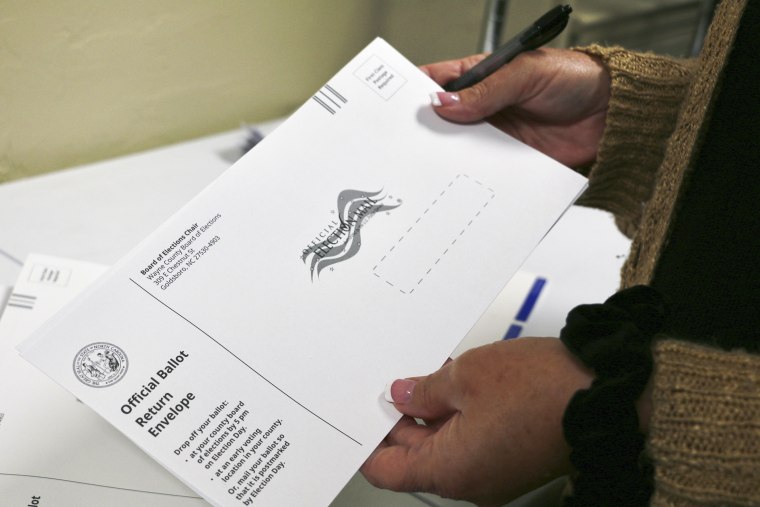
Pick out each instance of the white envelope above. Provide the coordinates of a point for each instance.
(246, 343)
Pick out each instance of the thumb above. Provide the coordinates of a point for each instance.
(428, 397)
(478, 102)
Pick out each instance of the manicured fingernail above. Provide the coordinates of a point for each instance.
(400, 391)
(387, 394)
(444, 98)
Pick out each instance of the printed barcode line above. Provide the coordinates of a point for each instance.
(328, 98)
(321, 103)
(335, 92)
(20, 306)
(23, 296)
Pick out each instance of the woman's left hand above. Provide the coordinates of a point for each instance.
(494, 424)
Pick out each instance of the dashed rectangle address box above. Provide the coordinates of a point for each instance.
(443, 223)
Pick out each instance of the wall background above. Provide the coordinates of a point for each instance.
(85, 80)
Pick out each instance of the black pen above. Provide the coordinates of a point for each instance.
(539, 33)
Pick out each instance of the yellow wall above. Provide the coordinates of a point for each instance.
(427, 31)
(84, 80)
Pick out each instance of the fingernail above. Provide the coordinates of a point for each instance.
(400, 391)
(444, 98)
(387, 394)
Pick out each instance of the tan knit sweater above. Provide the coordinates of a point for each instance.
(705, 427)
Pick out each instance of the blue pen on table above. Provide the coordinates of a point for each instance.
(516, 328)
(539, 33)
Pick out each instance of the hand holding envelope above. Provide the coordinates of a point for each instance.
(494, 424)
(553, 100)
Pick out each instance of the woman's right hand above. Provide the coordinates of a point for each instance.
(554, 100)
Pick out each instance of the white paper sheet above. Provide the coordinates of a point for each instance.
(245, 343)
(54, 448)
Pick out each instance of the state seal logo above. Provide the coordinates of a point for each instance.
(100, 364)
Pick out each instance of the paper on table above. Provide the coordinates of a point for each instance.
(245, 343)
(53, 447)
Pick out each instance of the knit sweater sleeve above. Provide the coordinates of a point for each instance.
(646, 94)
(705, 426)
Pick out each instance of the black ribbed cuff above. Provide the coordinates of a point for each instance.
(601, 423)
